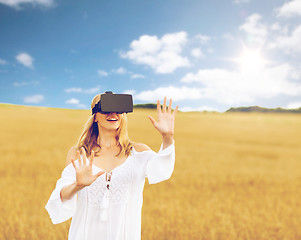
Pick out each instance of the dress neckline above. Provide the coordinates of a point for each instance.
(114, 169)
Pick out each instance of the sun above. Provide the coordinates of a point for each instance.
(251, 60)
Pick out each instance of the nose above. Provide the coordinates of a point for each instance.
(112, 114)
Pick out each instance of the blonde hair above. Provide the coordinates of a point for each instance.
(89, 136)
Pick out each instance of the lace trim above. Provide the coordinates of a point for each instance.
(119, 185)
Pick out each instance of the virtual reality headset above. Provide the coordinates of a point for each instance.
(118, 103)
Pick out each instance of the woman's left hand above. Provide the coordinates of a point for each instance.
(166, 119)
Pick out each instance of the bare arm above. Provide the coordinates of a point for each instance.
(141, 147)
(69, 191)
(84, 176)
(71, 155)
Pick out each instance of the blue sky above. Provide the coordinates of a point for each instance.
(205, 55)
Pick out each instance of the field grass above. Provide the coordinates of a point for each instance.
(237, 176)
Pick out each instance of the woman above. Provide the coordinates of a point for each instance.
(102, 189)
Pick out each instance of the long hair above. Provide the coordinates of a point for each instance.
(89, 136)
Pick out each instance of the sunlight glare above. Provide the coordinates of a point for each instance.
(251, 60)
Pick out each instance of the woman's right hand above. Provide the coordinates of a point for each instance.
(84, 175)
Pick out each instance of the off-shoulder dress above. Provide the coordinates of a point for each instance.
(110, 208)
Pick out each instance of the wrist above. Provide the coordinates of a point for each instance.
(167, 136)
(167, 140)
(79, 187)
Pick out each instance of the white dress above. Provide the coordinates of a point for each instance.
(102, 212)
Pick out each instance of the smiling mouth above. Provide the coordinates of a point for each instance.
(112, 119)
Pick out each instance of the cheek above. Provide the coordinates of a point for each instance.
(102, 121)
(99, 117)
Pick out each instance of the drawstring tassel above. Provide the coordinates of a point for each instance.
(104, 202)
(104, 205)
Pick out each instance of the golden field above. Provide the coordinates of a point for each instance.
(237, 176)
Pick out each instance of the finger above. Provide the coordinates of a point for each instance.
(91, 158)
(152, 120)
(75, 167)
(84, 156)
(79, 158)
(98, 174)
(175, 111)
(169, 106)
(164, 105)
(158, 106)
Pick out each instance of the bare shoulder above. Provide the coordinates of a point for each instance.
(71, 155)
(141, 147)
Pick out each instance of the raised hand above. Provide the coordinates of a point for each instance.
(166, 119)
(84, 176)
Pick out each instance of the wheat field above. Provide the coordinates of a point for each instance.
(237, 176)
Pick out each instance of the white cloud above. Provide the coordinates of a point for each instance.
(102, 73)
(176, 93)
(197, 109)
(256, 31)
(72, 101)
(2, 62)
(289, 9)
(293, 105)
(130, 91)
(163, 55)
(275, 26)
(203, 39)
(277, 30)
(69, 90)
(91, 90)
(34, 99)
(76, 103)
(80, 90)
(21, 84)
(25, 59)
(16, 4)
(288, 43)
(236, 87)
(197, 53)
(134, 76)
(120, 70)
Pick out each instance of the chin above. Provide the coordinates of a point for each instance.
(113, 127)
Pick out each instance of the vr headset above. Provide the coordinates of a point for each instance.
(109, 102)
